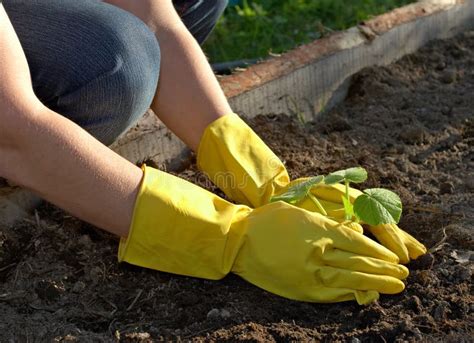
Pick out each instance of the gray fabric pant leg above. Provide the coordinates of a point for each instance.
(200, 16)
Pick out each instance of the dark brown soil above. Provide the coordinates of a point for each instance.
(409, 124)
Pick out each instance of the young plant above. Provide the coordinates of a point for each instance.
(355, 175)
(374, 206)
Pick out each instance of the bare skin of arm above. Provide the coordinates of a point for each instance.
(189, 97)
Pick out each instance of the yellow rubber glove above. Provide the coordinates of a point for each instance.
(240, 163)
(180, 228)
(245, 168)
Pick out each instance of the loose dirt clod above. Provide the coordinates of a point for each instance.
(59, 277)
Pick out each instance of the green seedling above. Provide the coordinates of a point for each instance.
(374, 206)
(300, 191)
(355, 175)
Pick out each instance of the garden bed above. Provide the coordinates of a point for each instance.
(409, 124)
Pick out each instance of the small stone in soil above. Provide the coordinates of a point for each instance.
(425, 261)
(406, 325)
(337, 124)
(414, 135)
(441, 311)
(425, 277)
(78, 287)
(469, 182)
(440, 66)
(137, 336)
(425, 319)
(448, 76)
(85, 240)
(447, 111)
(48, 290)
(462, 274)
(415, 304)
(68, 338)
(215, 314)
(95, 274)
(225, 314)
(443, 272)
(446, 188)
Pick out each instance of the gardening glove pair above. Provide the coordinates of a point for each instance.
(180, 228)
(248, 172)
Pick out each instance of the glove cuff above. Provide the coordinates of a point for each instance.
(180, 228)
(239, 162)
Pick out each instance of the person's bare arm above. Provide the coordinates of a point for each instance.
(49, 154)
(189, 97)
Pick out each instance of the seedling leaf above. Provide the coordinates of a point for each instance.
(378, 206)
(299, 191)
(331, 179)
(356, 175)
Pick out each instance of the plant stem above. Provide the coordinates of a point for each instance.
(348, 215)
(317, 203)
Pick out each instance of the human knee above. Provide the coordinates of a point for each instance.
(123, 88)
(137, 60)
(134, 79)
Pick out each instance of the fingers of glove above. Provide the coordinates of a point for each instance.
(390, 236)
(349, 261)
(351, 241)
(350, 225)
(330, 295)
(309, 289)
(334, 192)
(354, 226)
(343, 278)
(366, 297)
(415, 248)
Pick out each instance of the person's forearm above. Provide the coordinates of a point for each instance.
(189, 97)
(65, 165)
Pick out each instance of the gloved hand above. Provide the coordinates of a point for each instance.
(245, 168)
(404, 245)
(180, 228)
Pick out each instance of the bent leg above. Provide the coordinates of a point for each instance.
(92, 62)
